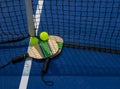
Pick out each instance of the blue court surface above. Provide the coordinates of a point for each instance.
(73, 68)
(81, 69)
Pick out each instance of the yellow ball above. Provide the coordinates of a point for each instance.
(44, 36)
(33, 41)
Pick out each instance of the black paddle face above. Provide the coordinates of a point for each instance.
(59, 42)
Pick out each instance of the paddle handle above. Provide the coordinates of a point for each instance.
(45, 67)
(19, 58)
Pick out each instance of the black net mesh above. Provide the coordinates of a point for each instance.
(89, 24)
(81, 23)
(13, 24)
(13, 34)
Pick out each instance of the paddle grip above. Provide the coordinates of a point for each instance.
(45, 67)
(19, 58)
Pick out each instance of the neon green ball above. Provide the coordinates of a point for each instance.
(33, 41)
(44, 36)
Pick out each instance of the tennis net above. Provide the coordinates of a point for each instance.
(13, 24)
(89, 24)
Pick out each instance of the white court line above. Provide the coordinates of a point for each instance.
(28, 62)
(38, 14)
